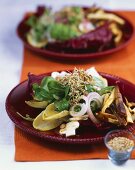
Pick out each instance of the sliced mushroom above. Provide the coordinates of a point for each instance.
(77, 118)
(69, 129)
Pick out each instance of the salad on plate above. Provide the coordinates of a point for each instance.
(69, 99)
(75, 29)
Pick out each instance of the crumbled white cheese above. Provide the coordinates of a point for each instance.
(57, 74)
(69, 129)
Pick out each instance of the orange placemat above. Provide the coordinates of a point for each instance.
(28, 148)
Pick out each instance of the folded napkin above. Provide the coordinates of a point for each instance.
(29, 148)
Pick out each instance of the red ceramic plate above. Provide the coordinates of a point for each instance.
(128, 32)
(86, 134)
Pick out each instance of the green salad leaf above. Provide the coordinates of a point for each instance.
(62, 32)
(40, 26)
(90, 88)
(77, 9)
(76, 16)
(49, 90)
(40, 94)
(32, 21)
(105, 90)
(61, 105)
(45, 81)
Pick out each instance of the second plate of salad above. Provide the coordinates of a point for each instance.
(74, 32)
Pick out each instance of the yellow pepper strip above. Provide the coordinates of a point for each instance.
(37, 104)
(106, 16)
(109, 101)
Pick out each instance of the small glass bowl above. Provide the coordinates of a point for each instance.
(119, 157)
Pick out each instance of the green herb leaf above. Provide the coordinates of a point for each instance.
(62, 32)
(32, 21)
(38, 32)
(77, 10)
(62, 104)
(45, 81)
(50, 90)
(90, 88)
(105, 90)
(56, 88)
(41, 94)
(67, 88)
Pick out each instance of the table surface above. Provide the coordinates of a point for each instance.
(11, 57)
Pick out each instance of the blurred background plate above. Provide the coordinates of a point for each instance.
(128, 32)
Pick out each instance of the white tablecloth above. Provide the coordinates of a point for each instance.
(11, 55)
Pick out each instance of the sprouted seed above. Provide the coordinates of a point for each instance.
(121, 144)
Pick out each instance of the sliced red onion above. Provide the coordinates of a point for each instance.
(81, 112)
(85, 98)
(93, 96)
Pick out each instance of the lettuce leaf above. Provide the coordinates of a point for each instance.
(49, 90)
(62, 104)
